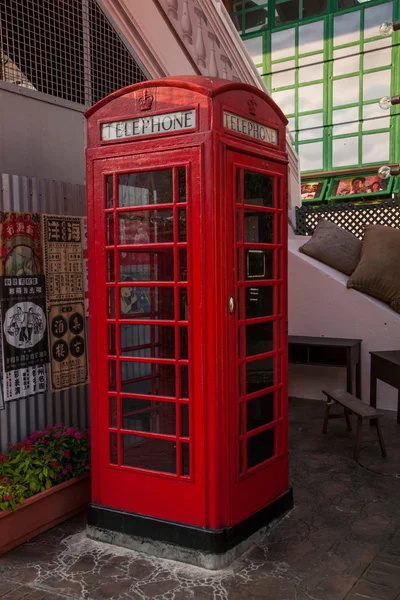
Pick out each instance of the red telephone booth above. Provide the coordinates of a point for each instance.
(187, 187)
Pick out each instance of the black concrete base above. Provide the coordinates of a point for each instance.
(206, 541)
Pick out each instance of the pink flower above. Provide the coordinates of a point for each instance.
(64, 472)
(70, 431)
(3, 458)
(78, 435)
(28, 442)
(67, 453)
(7, 498)
(83, 463)
(69, 467)
(55, 465)
(57, 435)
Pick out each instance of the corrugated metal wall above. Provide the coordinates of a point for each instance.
(21, 417)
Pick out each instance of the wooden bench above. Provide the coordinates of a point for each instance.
(353, 405)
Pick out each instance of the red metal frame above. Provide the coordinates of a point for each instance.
(219, 489)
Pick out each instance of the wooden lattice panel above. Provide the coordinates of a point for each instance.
(353, 218)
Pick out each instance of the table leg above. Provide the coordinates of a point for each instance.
(358, 439)
(398, 407)
(380, 437)
(349, 374)
(358, 379)
(372, 397)
(328, 405)
(348, 422)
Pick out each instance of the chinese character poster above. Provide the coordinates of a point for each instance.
(23, 305)
(65, 301)
(68, 345)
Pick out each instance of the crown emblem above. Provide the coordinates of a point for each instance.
(146, 101)
(252, 104)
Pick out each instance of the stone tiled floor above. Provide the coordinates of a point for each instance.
(342, 540)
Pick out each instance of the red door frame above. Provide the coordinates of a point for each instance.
(183, 496)
(253, 489)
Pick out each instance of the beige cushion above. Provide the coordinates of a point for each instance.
(378, 273)
(334, 246)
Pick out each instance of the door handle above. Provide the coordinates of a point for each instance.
(232, 305)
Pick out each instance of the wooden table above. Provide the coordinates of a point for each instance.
(386, 367)
(328, 352)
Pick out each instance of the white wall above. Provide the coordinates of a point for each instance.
(41, 136)
(321, 305)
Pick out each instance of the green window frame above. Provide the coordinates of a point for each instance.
(327, 134)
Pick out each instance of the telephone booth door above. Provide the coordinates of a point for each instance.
(144, 359)
(257, 331)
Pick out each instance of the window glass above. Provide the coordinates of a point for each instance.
(145, 265)
(345, 152)
(258, 189)
(149, 415)
(147, 303)
(151, 454)
(147, 341)
(311, 8)
(260, 411)
(260, 448)
(150, 187)
(286, 11)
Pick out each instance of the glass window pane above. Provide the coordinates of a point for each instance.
(311, 156)
(111, 339)
(147, 265)
(150, 454)
(259, 264)
(283, 42)
(374, 117)
(259, 302)
(110, 267)
(150, 416)
(286, 11)
(345, 152)
(148, 379)
(111, 303)
(184, 342)
(374, 16)
(260, 375)
(373, 59)
(311, 97)
(311, 70)
(183, 307)
(140, 189)
(285, 100)
(377, 85)
(259, 338)
(112, 411)
(254, 47)
(314, 7)
(182, 225)
(260, 411)
(346, 65)
(114, 448)
(147, 341)
(146, 227)
(185, 420)
(347, 28)
(112, 376)
(310, 127)
(346, 119)
(110, 230)
(311, 36)
(375, 147)
(181, 184)
(147, 303)
(184, 381)
(109, 192)
(260, 448)
(185, 459)
(183, 276)
(258, 189)
(283, 75)
(237, 20)
(255, 19)
(258, 227)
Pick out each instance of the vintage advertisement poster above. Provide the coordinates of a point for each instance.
(63, 259)
(67, 345)
(23, 305)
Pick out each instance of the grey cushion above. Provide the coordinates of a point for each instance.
(334, 246)
(378, 273)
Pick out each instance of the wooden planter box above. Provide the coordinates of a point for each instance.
(43, 511)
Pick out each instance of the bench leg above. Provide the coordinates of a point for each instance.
(348, 422)
(380, 437)
(328, 405)
(358, 439)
